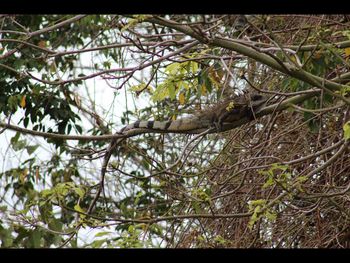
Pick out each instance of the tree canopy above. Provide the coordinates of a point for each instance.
(70, 83)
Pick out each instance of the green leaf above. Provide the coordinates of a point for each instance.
(196, 207)
(172, 91)
(79, 209)
(131, 23)
(269, 182)
(346, 129)
(103, 233)
(25, 122)
(79, 191)
(173, 69)
(255, 217)
(302, 179)
(13, 102)
(6, 237)
(74, 243)
(79, 129)
(161, 92)
(45, 210)
(19, 145)
(255, 206)
(194, 66)
(271, 216)
(45, 193)
(55, 224)
(98, 243)
(31, 149)
(139, 87)
(131, 229)
(254, 203)
(35, 239)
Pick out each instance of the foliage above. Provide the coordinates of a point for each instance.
(277, 180)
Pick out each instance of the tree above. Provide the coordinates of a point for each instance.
(70, 83)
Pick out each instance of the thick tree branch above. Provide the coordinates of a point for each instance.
(227, 43)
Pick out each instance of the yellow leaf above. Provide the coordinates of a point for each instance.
(292, 58)
(23, 101)
(347, 53)
(173, 118)
(182, 98)
(230, 106)
(204, 89)
(24, 175)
